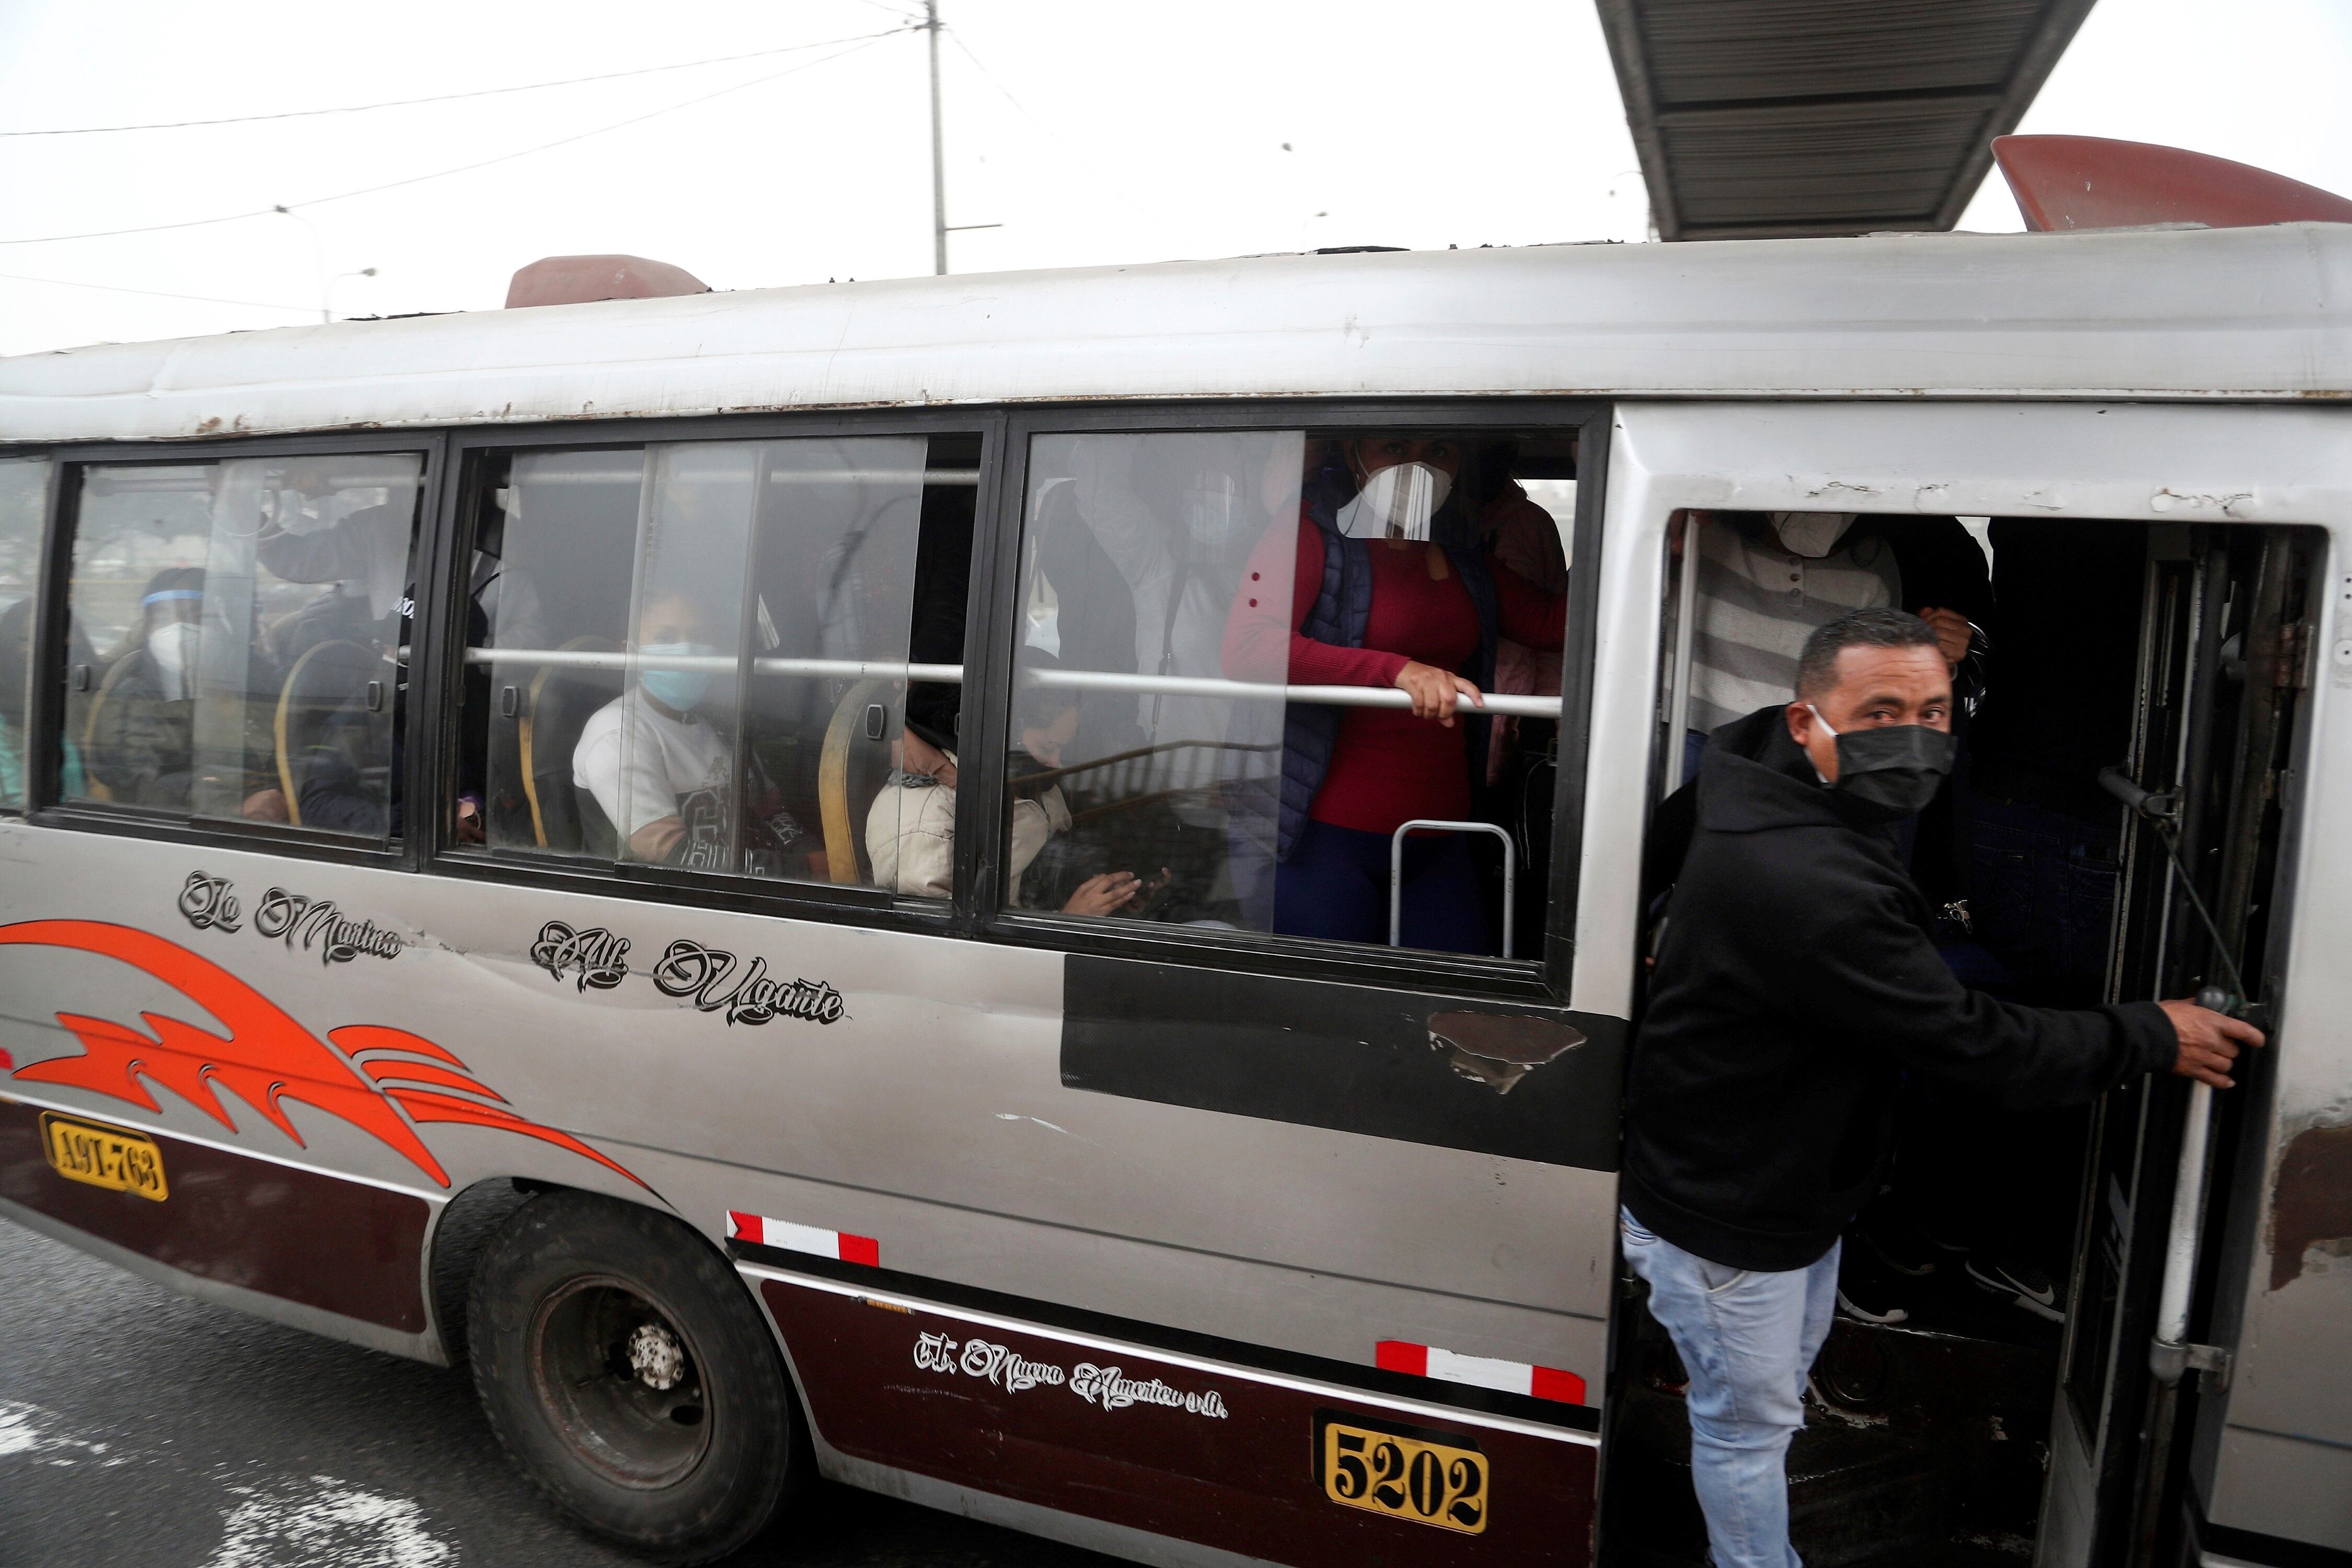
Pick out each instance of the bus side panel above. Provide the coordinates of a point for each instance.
(1176, 1449)
(347, 1247)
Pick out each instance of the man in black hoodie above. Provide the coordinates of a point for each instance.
(1796, 978)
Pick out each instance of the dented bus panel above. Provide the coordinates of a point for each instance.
(1133, 1212)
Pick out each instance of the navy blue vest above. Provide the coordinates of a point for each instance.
(1342, 608)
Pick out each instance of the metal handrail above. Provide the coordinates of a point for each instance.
(1396, 873)
(1267, 691)
(1493, 703)
(718, 664)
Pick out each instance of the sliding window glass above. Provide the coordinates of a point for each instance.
(23, 498)
(1244, 669)
(235, 638)
(700, 655)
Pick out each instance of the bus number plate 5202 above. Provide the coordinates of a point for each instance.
(110, 1157)
(1404, 1474)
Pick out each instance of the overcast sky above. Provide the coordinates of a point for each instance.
(1091, 129)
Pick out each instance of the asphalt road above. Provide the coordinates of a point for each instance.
(140, 1427)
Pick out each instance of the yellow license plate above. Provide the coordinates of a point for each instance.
(1405, 1477)
(110, 1157)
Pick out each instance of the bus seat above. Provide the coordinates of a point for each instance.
(845, 854)
(97, 787)
(562, 818)
(323, 683)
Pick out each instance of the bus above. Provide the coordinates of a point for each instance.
(490, 878)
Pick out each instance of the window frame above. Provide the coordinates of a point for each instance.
(45, 806)
(980, 826)
(836, 903)
(448, 504)
(35, 737)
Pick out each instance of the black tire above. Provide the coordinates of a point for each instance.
(627, 1370)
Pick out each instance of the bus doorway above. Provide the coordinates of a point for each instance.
(2127, 713)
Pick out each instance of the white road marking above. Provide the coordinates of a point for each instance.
(29, 1429)
(326, 1524)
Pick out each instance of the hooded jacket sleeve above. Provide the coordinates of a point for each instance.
(1869, 973)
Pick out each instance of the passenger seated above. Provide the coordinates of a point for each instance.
(662, 771)
(1415, 604)
(910, 829)
(142, 732)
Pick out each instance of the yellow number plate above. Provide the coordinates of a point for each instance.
(108, 1157)
(1404, 1477)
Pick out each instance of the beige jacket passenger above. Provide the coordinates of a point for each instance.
(910, 833)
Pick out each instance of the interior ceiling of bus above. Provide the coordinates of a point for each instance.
(1763, 119)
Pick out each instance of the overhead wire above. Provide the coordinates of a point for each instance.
(156, 293)
(866, 43)
(453, 97)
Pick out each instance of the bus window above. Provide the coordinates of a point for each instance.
(24, 495)
(245, 618)
(697, 655)
(1222, 640)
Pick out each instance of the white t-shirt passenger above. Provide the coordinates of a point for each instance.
(642, 765)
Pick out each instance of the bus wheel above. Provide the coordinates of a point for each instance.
(627, 1370)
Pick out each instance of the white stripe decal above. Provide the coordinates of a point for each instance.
(1481, 1371)
(793, 1237)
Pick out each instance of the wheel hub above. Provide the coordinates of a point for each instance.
(621, 1383)
(657, 1357)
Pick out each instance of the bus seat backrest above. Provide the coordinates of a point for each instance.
(564, 818)
(98, 789)
(326, 680)
(845, 827)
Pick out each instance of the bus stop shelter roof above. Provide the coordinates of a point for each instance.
(1762, 119)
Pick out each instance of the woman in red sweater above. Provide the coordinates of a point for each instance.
(1390, 587)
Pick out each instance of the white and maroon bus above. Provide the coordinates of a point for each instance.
(487, 874)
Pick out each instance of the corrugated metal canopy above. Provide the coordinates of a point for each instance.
(1764, 118)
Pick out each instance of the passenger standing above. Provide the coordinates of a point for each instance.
(1390, 588)
(1797, 979)
(1766, 580)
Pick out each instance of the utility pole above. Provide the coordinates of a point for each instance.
(939, 156)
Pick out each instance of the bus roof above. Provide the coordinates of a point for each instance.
(2251, 313)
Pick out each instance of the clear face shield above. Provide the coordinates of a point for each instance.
(1397, 502)
(174, 636)
(1213, 515)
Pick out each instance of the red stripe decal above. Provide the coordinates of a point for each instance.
(1550, 1382)
(1395, 1355)
(747, 1227)
(861, 1249)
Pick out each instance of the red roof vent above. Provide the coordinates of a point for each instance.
(577, 280)
(2089, 182)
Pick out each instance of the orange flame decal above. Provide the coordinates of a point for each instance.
(265, 1058)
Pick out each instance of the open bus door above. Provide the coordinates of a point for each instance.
(2226, 636)
(1968, 1423)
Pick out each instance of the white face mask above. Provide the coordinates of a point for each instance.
(1397, 502)
(1811, 534)
(174, 647)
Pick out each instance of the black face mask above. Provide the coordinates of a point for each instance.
(1897, 768)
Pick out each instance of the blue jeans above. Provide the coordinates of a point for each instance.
(1748, 1339)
